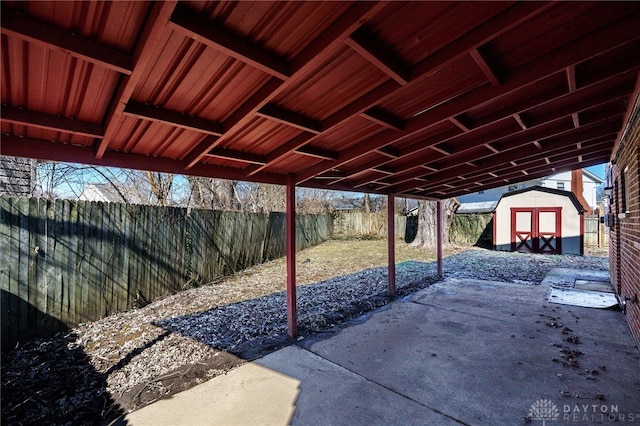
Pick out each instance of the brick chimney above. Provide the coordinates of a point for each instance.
(578, 189)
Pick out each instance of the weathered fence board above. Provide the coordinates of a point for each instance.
(595, 233)
(66, 262)
(372, 225)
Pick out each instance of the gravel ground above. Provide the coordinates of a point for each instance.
(99, 371)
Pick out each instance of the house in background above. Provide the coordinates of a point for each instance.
(486, 201)
(564, 180)
(103, 192)
(17, 176)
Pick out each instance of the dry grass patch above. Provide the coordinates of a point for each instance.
(330, 259)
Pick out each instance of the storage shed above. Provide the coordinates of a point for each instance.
(539, 220)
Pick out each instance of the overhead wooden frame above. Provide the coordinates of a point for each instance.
(358, 96)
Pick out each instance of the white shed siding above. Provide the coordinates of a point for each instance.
(570, 223)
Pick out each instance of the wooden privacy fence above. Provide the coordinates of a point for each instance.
(595, 233)
(474, 228)
(66, 262)
(351, 224)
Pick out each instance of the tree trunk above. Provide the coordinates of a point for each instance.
(427, 235)
(367, 202)
(215, 194)
(160, 186)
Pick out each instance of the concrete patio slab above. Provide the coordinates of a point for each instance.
(248, 395)
(566, 277)
(333, 395)
(483, 352)
(459, 352)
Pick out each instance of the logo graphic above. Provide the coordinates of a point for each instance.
(544, 410)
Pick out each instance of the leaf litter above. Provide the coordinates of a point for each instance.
(98, 371)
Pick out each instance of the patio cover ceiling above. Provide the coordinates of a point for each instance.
(420, 99)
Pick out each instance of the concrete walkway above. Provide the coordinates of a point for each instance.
(460, 352)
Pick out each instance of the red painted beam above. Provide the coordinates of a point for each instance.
(232, 154)
(502, 137)
(485, 67)
(372, 166)
(509, 146)
(152, 113)
(201, 29)
(57, 39)
(502, 23)
(239, 117)
(515, 176)
(472, 153)
(289, 118)
(378, 55)
(597, 154)
(481, 35)
(391, 244)
(316, 53)
(145, 52)
(593, 45)
(53, 151)
(317, 152)
(292, 319)
(41, 120)
(383, 118)
(282, 150)
(523, 163)
(502, 169)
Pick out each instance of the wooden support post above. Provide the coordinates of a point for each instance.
(439, 235)
(292, 320)
(391, 244)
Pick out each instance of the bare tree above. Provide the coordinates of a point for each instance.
(208, 193)
(316, 201)
(64, 180)
(160, 186)
(427, 222)
(263, 198)
(67, 180)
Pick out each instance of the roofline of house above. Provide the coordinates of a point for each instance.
(554, 191)
(596, 178)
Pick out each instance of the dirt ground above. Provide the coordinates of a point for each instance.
(101, 370)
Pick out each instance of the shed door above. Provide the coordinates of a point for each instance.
(536, 230)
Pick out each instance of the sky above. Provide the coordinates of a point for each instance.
(72, 190)
(597, 170)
